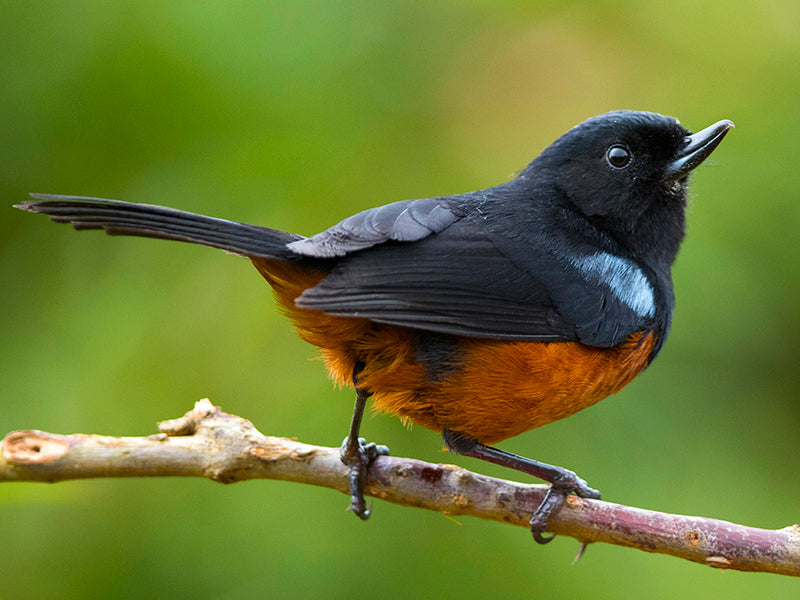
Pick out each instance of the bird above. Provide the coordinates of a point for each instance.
(478, 315)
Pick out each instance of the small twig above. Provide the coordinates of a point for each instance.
(207, 442)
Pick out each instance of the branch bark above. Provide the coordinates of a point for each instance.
(207, 442)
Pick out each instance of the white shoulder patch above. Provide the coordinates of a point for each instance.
(623, 277)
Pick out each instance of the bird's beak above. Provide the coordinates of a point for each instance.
(696, 149)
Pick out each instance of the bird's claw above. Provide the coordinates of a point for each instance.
(358, 457)
(567, 483)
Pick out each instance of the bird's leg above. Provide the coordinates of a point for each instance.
(563, 481)
(357, 454)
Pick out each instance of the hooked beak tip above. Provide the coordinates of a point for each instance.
(697, 148)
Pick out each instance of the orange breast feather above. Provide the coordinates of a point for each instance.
(497, 389)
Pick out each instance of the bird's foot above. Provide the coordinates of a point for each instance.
(358, 456)
(566, 483)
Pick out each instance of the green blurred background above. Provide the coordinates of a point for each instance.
(295, 115)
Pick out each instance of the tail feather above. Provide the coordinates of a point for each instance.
(147, 220)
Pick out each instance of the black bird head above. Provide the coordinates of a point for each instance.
(625, 172)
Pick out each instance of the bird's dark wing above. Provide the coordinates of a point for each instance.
(459, 281)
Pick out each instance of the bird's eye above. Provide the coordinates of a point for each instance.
(618, 156)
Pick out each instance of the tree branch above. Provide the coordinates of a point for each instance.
(207, 442)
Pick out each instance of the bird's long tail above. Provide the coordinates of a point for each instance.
(147, 220)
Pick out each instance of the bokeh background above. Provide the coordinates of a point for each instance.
(295, 115)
